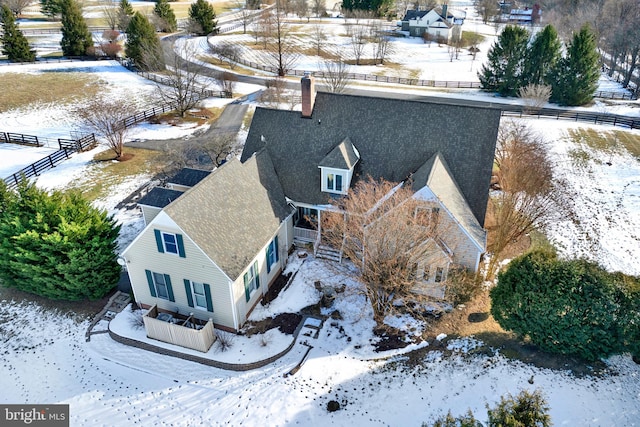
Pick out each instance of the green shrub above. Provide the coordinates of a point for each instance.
(467, 420)
(57, 245)
(524, 410)
(568, 307)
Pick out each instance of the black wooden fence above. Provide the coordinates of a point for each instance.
(577, 116)
(67, 147)
(18, 138)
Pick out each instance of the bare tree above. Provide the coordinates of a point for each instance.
(105, 116)
(358, 35)
(335, 74)
(17, 6)
(111, 13)
(318, 36)
(534, 96)
(227, 52)
(389, 236)
(246, 14)
(274, 94)
(318, 8)
(281, 50)
(218, 148)
(185, 84)
(302, 9)
(529, 195)
(205, 153)
(381, 41)
(227, 82)
(264, 28)
(487, 9)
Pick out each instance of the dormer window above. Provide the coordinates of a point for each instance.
(334, 182)
(337, 168)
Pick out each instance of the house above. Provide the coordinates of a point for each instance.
(525, 16)
(440, 23)
(214, 251)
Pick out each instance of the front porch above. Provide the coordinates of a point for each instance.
(307, 229)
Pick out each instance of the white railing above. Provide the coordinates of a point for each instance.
(305, 234)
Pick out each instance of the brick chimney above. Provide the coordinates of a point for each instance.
(307, 84)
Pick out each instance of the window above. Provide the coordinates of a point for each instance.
(199, 299)
(160, 285)
(170, 243)
(251, 281)
(335, 182)
(198, 295)
(439, 274)
(272, 254)
(422, 272)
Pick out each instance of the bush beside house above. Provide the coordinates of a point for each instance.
(56, 245)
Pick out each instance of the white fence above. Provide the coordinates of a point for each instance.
(173, 333)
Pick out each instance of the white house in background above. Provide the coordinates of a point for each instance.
(215, 250)
(440, 23)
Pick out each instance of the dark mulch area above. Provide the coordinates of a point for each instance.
(285, 322)
(275, 288)
(84, 308)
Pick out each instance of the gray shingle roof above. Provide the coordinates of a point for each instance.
(234, 212)
(159, 197)
(414, 14)
(394, 138)
(436, 175)
(343, 156)
(189, 177)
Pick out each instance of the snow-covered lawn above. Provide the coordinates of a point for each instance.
(44, 357)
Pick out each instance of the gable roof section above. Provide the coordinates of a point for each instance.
(189, 177)
(343, 156)
(414, 14)
(436, 175)
(394, 138)
(159, 197)
(232, 214)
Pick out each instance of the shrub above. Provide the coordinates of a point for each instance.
(524, 410)
(467, 420)
(568, 307)
(57, 246)
(224, 340)
(462, 285)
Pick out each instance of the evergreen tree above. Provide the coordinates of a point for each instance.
(143, 46)
(524, 410)
(568, 307)
(57, 246)
(14, 43)
(166, 16)
(504, 72)
(51, 8)
(542, 57)
(76, 38)
(202, 18)
(125, 12)
(575, 79)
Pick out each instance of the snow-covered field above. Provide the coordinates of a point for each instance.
(44, 357)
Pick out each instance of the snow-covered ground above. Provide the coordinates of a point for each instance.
(44, 356)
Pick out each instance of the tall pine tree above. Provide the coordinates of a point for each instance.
(143, 46)
(575, 78)
(542, 57)
(14, 43)
(76, 38)
(125, 12)
(202, 18)
(504, 72)
(167, 18)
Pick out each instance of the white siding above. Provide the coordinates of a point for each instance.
(149, 213)
(196, 266)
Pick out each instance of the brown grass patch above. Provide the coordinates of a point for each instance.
(21, 90)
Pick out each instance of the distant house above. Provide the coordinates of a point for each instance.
(525, 16)
(215, 250)
(440, 23)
